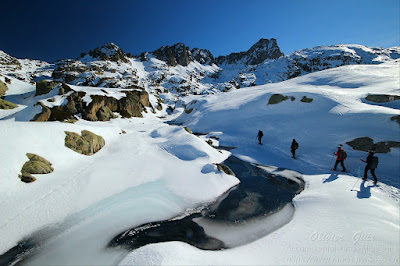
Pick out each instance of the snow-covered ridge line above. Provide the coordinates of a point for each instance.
(110, 66)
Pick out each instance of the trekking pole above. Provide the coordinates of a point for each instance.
(352, 189)
(358, 175)
(359, 169)
(330, 164)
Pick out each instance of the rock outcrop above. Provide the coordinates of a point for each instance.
(3, 88)
(45, 86)
(7, 105)
(101, 108)
(382, 98)
(178, 54)
(366, 144)
(277, 98)
(109, 51)
(258, 53)
(87, 143)
(395, 118)
(305, 99)
(224, 168)
(35, 165)
(203, 56)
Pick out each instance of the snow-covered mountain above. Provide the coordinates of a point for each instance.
(26, 70)
(183, 71)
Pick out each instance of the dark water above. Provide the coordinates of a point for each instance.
(258, 195)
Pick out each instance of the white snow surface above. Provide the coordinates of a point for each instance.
(338, 113)
(158, 171)
(331, 226)
(339, 219)
(148, 152)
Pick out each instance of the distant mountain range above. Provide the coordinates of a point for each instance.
(181, 71)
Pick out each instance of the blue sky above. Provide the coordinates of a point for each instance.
(52, 30)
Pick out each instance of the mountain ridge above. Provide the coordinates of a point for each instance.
(181, 70)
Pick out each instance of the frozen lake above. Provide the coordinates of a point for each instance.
(106, 232)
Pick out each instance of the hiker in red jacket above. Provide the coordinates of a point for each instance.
(341, 156)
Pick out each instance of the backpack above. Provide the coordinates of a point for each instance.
(343, 154)
(374, 162)
(295, 145)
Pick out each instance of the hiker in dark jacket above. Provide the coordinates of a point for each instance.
(372, 163)
(341, 156)
(259, 136)
(294, 147)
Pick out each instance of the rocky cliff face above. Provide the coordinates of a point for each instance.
(178, 54)
(203, 56)
(262, 50)
(109, 51)
(100, 108)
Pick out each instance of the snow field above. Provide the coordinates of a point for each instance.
(332, 225)
(336, 115)
(78, 181)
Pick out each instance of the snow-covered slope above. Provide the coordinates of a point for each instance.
(26, 70)
(339, 219)
(150, 151)
(338, 113)
(332, 226)
(303, 62)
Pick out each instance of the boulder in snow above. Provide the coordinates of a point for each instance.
(7, 105)
(35, 165)
(44, 115)
(87, 143)
(395, 118)
(45, 86)
(188, 130)
(305, 99)
(277, 98)
(366, 144)
(3, 88)
(133, 104)
(224, 168)
(382, 98)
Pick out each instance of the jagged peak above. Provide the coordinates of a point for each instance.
(109, 51)
(110, 48)
(258, 53)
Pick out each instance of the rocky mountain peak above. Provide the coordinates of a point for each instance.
(262, 50)
(109, 51)
(9, 62)
(258, 53)
(178, 54)
(203, 56)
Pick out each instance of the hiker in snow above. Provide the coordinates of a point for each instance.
(294, 147)
(372, 163)
(259, 136)
(341, 156)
